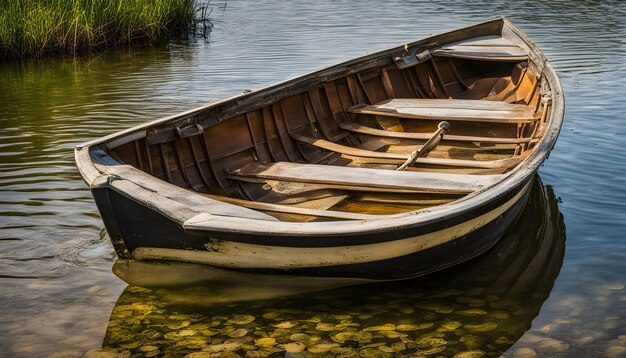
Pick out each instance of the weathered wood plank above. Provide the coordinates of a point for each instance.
(364, 178)
(401, 157)
(357, 128)
(483, 47)
(488, 40)
(450, 109)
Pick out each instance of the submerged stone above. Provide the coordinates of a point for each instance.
(373, 353)
(241, 319)
(360, 337)
(525, 353)
(178, 325)
(313, 320)
(384, 327)
(472, 341)
(391, 334)
(265, 342)
(502, 340)
(449, 326)
(444, 309)
(436, 307)
(431, 351)
(299, 337)
(615, 351)
(470, 354)
(396, 347)
(149, 348)
(487, 326)
(373, 345)
(198, 355)
(285, 324)
(407, 327)
(177, 335)
(238, 333)
(265, 352)
(322, 347)
(326, 327)
(295, 347)
(271, 315)
(471, 312)
(209, 332)
(279, 332)
(343, 352)
(192, 342)
(429, 342)
(434, 334)
(223, 347)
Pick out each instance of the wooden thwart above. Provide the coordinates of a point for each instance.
(450, 109)
(365, 179)
(401, 157)
(357, 128)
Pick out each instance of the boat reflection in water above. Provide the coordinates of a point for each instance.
(483, 305)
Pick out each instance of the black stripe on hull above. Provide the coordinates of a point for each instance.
(139, 226)
(361, 238)
(130, 216)
(430, 260)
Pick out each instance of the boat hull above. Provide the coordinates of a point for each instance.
(137, 232)
(214, 185)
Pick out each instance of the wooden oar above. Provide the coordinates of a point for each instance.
(442, 128)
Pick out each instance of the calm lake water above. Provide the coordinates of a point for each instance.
(553, 287)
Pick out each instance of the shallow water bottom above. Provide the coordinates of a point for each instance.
(477, 309)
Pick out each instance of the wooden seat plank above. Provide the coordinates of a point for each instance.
(357, 128)
(450, 109)
(401, 157)
(366, 178)
(490, 47)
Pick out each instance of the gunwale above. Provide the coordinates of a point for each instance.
(245, 102)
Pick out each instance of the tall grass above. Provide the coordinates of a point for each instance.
(33, 28)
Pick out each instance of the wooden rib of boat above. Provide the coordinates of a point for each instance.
(392, 165)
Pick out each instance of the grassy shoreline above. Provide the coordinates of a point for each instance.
(36, 28)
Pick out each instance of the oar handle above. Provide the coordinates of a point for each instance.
(434, 140)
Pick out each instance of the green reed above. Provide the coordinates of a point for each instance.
(34, 28)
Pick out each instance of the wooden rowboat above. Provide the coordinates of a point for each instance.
(392, 165)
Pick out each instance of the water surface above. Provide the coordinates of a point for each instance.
(57, 290)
